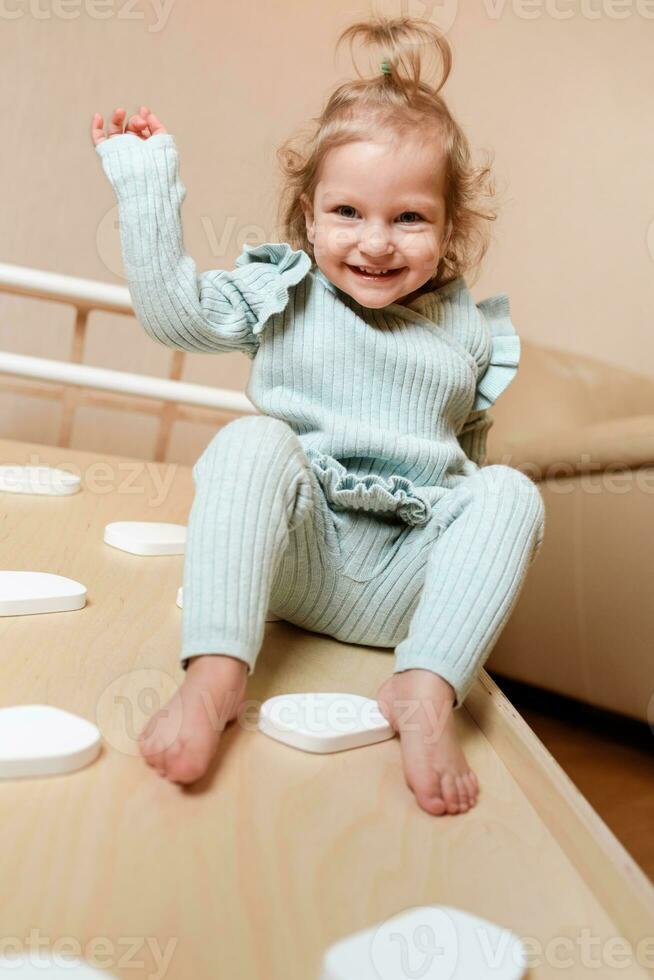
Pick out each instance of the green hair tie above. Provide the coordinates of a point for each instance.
(386, 68)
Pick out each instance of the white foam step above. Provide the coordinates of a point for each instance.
(38, 479)
(323, 721)
(41, 740)
(435, 942)
(146, 537)
(34, 964)
(24, 592)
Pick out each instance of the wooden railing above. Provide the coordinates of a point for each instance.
(76, 384)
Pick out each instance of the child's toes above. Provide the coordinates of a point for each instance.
(450, 792)
(473, 786)
(181, 766)
(471, 796)
(186, 761)
(431, 800)
(153, 748)
(154, 753)
(464, 802)
(426, 787)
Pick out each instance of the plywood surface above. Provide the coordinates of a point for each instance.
(277, 853)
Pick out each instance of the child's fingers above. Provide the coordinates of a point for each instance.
(116, 122)
(155, 124)
(136, 125)
(97, 129)
(144, 112)
(98, 134)
(142, 124)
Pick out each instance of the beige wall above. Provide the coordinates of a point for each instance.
(564, 101)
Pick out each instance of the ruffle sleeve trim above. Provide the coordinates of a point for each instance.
(505, 351)
(290, 267)
(370, 493)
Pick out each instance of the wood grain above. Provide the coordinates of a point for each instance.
(276, 853)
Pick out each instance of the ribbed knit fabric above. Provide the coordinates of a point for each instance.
(357, 504)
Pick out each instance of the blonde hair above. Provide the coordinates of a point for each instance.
(397, 102)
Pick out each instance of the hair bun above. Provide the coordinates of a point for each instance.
(403, 43)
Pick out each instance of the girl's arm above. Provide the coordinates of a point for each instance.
(214, 311)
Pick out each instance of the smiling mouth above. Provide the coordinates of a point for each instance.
(377, 276)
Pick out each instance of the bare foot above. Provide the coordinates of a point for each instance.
(181, 740)
(418, 704)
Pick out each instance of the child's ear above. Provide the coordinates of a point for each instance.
(307, 208)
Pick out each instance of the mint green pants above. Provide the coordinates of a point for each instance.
(262, 536)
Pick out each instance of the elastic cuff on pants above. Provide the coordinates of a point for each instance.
(213, 649)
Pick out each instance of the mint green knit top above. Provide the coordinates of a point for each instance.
(390, 405)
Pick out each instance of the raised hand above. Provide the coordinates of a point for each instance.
(143, 124)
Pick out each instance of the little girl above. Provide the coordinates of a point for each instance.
(357, 504)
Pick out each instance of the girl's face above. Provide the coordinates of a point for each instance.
(378, 207)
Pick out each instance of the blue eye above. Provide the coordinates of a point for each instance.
(341, 206)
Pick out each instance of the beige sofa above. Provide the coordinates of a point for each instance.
(583, 625)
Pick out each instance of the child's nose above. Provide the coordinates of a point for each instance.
(376, 242)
